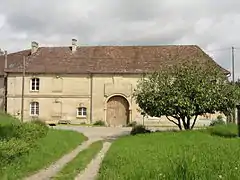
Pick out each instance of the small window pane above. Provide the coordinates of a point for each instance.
(84, 111)
(79, 112)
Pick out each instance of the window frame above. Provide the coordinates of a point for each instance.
(35, 106)
(81, 112)
(36, 82)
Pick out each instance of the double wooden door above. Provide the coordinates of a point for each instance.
(117, 111)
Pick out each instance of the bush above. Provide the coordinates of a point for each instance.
(39, 122)
(132, 124)
(228, 131)
(218, 121)
(99, 123)
(11, 149)
(139, 129)
(30, 131)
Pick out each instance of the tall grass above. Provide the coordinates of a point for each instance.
(28, 147)
(195, 155)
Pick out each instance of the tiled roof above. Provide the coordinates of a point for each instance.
(13, 59)
(106, 59)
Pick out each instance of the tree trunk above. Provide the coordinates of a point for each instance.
(179, 124)
(186, 125)
(194, 121)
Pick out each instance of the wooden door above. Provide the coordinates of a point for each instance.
(117, 111)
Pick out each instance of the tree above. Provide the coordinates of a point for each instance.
(184, 92)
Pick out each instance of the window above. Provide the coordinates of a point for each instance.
(34, 108)
(35, 84)
(82, 111)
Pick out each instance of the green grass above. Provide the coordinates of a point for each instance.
(188, 155)
(73, 168)
(6, 119)
(48, 150)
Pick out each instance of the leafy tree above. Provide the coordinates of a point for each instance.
(182, 93)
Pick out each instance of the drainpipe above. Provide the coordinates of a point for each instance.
(91, 97)
(5, 81)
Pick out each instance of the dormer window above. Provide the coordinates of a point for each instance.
(34, 86)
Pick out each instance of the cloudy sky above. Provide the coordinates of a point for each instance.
(214, 25)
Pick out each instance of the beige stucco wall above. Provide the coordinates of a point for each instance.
(72, 91)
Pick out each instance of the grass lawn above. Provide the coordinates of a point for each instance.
(73, 168)
(47, 150)
(174, 156)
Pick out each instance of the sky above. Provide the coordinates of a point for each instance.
(214, 25)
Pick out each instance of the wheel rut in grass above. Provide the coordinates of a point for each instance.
(53, 169)
(91, 171)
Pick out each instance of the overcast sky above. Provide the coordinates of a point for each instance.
(214, 25)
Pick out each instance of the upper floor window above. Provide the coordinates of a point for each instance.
(34, 108)
(35, 82)
(82, 111)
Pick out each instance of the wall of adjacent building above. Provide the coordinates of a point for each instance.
(2, 93)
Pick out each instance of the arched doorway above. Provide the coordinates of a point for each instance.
(117, 111)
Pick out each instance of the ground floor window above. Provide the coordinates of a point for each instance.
(82, 111)
(34, 108)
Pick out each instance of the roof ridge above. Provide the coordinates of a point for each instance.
(167, 45)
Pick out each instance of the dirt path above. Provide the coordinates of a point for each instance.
(94, 134)
(91, 171)
(53, 169)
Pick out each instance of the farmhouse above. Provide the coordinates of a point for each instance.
(85, 83)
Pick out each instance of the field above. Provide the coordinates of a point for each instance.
(198, 155)
(28, 147)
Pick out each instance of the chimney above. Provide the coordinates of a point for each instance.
(6, 60)
(74, 45)
(34, 47)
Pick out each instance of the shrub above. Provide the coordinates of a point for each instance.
(29, 131)
(132, 124)
(228, 131)
(39, 122)
(139, 129)
(11, 149)
(99, 123)
(218, 121)
(6, 119)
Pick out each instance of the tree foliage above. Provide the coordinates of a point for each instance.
(182, 93)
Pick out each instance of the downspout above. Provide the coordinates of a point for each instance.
(91, 97)
(5, 81)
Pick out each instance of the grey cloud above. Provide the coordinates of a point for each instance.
(211, 24)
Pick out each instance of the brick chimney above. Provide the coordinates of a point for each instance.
(74, 45)
(34, 47)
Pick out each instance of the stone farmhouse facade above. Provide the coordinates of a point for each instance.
(84, 84)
